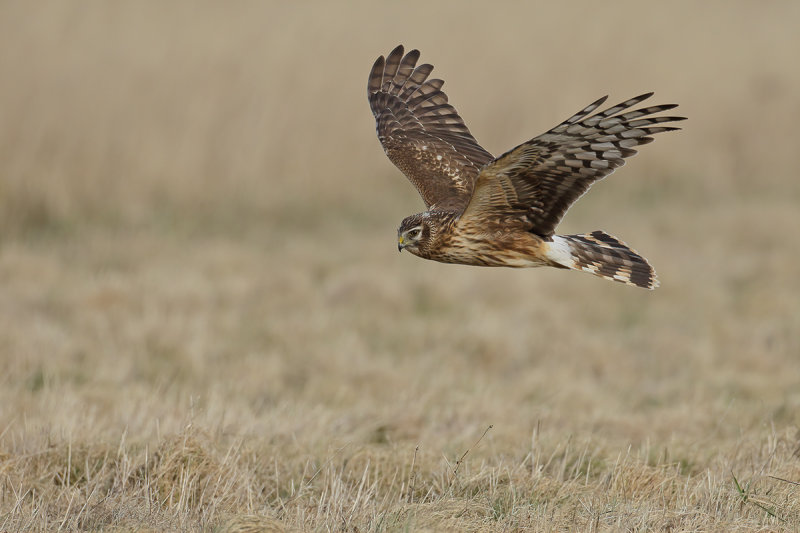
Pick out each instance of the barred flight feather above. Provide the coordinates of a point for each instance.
(603, 255)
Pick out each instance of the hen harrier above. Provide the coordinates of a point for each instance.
(503, 211)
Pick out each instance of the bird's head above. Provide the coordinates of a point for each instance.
(413, 234)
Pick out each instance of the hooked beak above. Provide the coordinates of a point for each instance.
(400, 244)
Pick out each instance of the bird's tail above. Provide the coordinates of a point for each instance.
(604, 256)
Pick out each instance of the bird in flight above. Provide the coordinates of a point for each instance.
(503, 211)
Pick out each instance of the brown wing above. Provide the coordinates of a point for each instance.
(534, 184)
(421, 133)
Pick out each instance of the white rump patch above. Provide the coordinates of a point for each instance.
(559, 251)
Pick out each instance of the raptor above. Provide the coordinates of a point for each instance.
(503, 211)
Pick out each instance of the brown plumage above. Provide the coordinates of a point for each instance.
(504, 211)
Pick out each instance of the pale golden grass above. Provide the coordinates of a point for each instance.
(204, 324)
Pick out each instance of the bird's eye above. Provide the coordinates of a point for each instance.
(414, 233)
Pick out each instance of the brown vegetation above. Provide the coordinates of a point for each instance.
(204, 322)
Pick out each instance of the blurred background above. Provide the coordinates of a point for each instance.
(196, 217)
(121, 113)
(197, 230)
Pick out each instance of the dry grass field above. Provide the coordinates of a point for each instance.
(205, 323)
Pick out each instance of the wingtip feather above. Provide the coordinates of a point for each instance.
(376, 76)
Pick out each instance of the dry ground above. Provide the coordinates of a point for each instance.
(205, 325)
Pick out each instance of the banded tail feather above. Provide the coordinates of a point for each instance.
(603, 255)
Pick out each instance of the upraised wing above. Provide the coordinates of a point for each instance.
(421, 133)
(534, 184)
